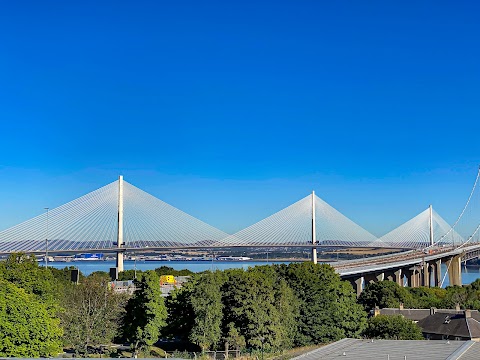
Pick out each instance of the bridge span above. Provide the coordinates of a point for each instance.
(120, 217)
(418, 268)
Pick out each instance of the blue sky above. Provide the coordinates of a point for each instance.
(233, 110)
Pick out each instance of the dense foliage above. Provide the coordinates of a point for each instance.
(389, 294)
(392, 327)
(275, 306)
(145, 313)
(266, 307)
(27, 329)
(91, 314)
(328, 307)
(162, 270)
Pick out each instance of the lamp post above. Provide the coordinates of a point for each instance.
(46, 242)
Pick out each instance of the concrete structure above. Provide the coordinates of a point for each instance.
(120, 225)
(126, 287)
(430, 224)
(178, 283)
(455, 270)
(314, 230)
(413, 269)
(356, 349)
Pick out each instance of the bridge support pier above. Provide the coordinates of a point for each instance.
(398, 275)
(426, 275)
(314, 230)
(437, 272)
(357, 284)
(374, 277)
(413, 276)
(455, 270)
(119, 262)
(395, 276)
(389, 275)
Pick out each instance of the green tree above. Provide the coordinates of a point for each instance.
(92, 314)
(233, 338)
(181, 317)
(425, 298)
(23, 270)
(206, 302)
(328, 307)
(385, 294)
(254, 304)
(166, 270)
(27, 329)
(130, 275)
(145, 313)
(392, 327)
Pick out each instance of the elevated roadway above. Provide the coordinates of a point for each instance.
(418, 268)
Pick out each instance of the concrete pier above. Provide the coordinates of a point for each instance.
(455, 270)
(119, 262)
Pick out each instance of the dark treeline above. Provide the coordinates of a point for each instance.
(273, 307)
(280, 305)
(387, 294)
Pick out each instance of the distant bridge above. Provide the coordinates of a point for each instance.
(120, 217)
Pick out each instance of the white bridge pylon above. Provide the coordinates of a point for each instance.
(426, 229)
(91, 222)
(293, 226)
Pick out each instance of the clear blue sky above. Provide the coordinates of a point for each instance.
(231, 110)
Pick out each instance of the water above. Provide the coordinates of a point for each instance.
(469, 273)
(87, 267)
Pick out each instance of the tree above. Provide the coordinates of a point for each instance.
(254, 303)
(23, 270)
(206, 302)
(328, 307)
(392, 327)
(145, 313)
(166, 270)
(130, 275)
(92, 314)
(234, 338)
(425, 297)
(385, 294)
(27, 329)
(181, 317)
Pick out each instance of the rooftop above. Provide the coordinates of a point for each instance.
(356, 349)
(460, 325)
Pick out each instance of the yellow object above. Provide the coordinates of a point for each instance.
(167, 279)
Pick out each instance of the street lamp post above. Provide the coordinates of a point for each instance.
(46, 242)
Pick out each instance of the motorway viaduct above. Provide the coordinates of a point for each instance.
(418, 267)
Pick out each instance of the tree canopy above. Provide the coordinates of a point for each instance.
(145, 313)
(392, 327)
(27, 329)
(328, 307)
(92, 314)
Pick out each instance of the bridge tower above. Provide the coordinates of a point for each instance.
(314, 230)
(431, 226)
(120, 225)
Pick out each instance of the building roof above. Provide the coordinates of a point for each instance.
(451, 324)
(356, 349)
(419, 314)
(412, 314)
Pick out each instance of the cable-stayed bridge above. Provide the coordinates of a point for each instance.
(120, 217)
(91, 222)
